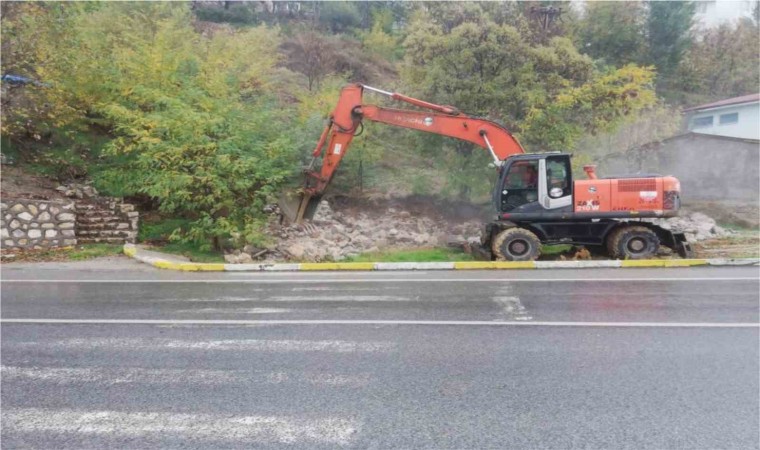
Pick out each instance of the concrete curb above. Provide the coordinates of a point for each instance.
(133, 252)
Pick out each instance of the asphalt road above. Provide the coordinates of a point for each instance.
(617, 358)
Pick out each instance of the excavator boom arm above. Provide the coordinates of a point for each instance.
(349, 113)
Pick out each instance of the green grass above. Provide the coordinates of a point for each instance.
(88, 251)
(190, 251)
(159, 230)
(414, 255)
(553, 250)
(156, 231)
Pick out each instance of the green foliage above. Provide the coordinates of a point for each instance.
(416, 255)
(339, 16)
(160, 229)
(193, 121)
(669, 33)
(240, 13)
(615, 32)
(597, 106)
(724, 63)
(90, 251)
(547, 92)
(380, 42)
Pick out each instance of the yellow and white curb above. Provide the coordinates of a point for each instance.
(133, 252)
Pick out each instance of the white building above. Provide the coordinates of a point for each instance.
(737, 117)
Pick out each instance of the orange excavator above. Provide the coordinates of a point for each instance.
(537, 201)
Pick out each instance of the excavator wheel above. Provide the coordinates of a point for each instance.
(516, 244)
(632, 242)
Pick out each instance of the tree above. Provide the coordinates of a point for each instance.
(191, 118)
(669, 34)
(549, 94)
(318, 56)
(723, 63)
(614, 32)
(311, 54)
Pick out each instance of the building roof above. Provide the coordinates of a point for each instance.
(751, 98)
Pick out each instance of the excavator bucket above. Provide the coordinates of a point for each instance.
(298, 206)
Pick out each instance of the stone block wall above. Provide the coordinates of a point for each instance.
(106, 221)
(37, 224)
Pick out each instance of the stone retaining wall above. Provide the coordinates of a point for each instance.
(106, 222)
(37, 224)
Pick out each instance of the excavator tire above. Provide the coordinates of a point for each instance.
(516, 244)
(633, 242)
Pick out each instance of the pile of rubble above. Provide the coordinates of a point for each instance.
(333, 236)
(695, 225)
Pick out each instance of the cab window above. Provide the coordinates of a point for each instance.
(522, 175)
(558, 174)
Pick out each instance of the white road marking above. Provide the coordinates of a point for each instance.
(214, 300)
(157, 425)
(512, 308)
(63, 375)
(237, 310)
(325, 288)
(337, 298)
(399, 280)
(376, 322)
(113, 376)
(263, 345)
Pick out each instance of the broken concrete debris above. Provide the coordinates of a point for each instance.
(335, 235)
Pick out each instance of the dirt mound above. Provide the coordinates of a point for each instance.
(16, 183)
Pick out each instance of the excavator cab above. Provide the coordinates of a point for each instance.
(532, 183)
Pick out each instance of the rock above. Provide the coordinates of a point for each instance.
(296, 251)
(44, 216)
(17, 208)
(34, 234)
(230, 258)
(32, 209)
(392, 232)
(244, 258)
(66, 225)
(25, 216)
(51, 233)
(14, 224)
(4, 233)
(65, 216)
(18, 233)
